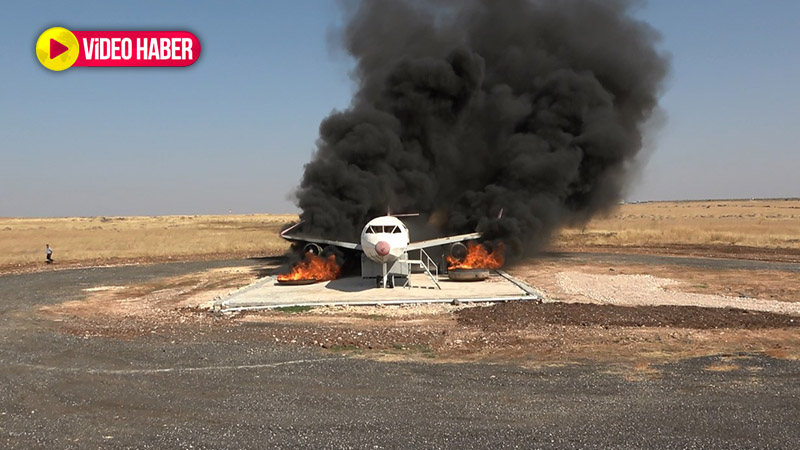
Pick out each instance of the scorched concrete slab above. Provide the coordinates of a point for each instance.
(267, 293)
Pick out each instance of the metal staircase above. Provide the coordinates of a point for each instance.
(428, 266)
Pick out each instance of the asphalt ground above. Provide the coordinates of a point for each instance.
(231, 388)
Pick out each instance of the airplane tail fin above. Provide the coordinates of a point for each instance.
(389, 213)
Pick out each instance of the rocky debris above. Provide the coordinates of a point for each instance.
(516, 315)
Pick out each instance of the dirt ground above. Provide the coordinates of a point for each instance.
(762, 284)
(639, 314)
(692, 250)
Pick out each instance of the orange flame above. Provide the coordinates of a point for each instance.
(479, 257)
(313, 267)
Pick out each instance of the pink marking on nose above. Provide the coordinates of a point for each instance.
(382, 248)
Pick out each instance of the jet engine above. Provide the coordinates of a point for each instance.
(315, 249)
(457, 250)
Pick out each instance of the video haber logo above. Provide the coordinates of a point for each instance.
(59, 49)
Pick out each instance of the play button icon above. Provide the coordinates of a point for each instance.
(56, 48)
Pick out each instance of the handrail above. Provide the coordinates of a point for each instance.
(426, 264)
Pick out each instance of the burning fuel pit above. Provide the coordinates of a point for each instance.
(292, 282)
(468, 274)
(310, 270)
(474, 261)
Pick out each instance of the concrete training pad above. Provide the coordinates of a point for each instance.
(266, 293)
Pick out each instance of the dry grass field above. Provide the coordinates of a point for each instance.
(723, 227)
(765, 224)
(125, 239)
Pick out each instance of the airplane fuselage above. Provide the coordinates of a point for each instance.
(384, 239)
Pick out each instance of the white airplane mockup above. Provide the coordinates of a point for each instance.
(384, 241)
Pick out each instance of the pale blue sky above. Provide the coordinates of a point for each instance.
(233, 131)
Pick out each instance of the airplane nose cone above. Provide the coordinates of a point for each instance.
(382, 248)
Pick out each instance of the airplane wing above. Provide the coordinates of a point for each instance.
(300, 237)
(442, 241)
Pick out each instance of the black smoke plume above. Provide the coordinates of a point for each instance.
(466, 107)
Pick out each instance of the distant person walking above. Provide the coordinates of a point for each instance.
(49, 253)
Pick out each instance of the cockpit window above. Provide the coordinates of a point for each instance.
(393, 229)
